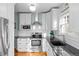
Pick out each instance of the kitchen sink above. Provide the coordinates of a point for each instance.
(58, 43)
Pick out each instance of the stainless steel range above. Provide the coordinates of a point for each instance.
(36, 42)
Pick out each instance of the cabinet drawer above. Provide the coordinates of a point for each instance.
(23, 49)
(21, 39)
(24, 43)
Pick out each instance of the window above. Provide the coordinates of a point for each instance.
(64, 23)
(54, 25)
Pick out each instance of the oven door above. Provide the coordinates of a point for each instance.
(36, 45)
(35, 42)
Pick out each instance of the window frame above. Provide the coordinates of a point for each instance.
(65, 23)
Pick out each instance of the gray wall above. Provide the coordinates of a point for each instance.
(74, 17)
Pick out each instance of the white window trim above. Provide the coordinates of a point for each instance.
(66, 14)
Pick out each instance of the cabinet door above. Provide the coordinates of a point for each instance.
(49, 49)
(54, 19)
(23, 44)
(24, 19)
(48, 22)
(44, 45)
(43, 22)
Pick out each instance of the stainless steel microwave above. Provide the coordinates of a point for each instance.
(25, 26)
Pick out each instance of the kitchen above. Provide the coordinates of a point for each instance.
(43, 29)
(40, 26)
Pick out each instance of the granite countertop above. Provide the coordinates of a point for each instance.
(23, 37)
(68, 48)
(26, 37)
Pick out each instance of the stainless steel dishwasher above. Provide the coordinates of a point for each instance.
(4, 42)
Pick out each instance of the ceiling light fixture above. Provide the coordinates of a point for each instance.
(32, 7)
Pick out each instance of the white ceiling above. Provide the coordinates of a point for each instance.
(41, 7)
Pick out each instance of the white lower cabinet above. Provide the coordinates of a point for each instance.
(23, 45)
(47, 48)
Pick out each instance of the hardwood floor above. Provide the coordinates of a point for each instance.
(30, 54)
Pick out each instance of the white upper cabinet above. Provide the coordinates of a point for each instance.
(33, 18)
(24, 19)
(74, 17)
(43, 22)
(48, 22)
(54, 19)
